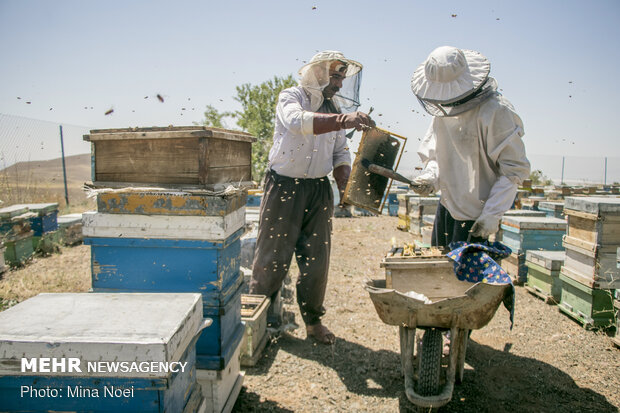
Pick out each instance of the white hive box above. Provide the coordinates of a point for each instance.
(592, 240)
(96, 224)
(107, 328)
(220, 388)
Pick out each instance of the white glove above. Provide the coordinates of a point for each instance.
(422, 186)
(484, 226)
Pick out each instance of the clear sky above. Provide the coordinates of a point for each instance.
(556, 61)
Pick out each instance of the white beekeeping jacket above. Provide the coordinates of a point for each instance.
(477, 159)
(296, 151)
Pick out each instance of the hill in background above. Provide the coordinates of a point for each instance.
(42, 181)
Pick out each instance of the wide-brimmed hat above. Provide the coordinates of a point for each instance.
(330, 55)
(450, 74)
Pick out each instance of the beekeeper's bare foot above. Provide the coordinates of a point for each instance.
(446, 346)
(320, 333)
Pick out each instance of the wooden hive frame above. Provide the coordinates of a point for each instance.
(367, 190)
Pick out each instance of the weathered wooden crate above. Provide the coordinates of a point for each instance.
(70, 227)
(597, 267)
(179, 203)
(101, 328)
(220, 388)
(254, 316)
(543, 274)
(401, 271)
(593, 220)
(532, 233)
(553, 209)
(186, 155)
(594, 308)
(173, 227)
(18, 248)
(515, 266)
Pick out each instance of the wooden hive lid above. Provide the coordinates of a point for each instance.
(596, 205)
(524, 213)
(534, 223)
(551, 260)
(12, 211)
(149, 327)
(169, 132)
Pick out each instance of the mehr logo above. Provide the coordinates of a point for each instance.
(51, 365)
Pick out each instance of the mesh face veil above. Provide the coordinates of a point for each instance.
(488, 89)
(315, 76)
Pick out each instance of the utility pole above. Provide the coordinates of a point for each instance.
(605, 179)
(562, 178)
(64, 169)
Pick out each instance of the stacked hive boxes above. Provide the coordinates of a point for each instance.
(518, 213)
(543, 274)
(419, 207)
(16, 234)
(153, 334)
(182, 239)
(70, 227)
(391, 205)
(529, 233)
(532, 202)
(553, 209)
(44, 223)
(590, 273)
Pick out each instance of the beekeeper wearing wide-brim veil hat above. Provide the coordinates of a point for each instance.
(473, 150)
(298, 202)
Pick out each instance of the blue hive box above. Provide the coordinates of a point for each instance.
(132, 264)
(101, 328)
(226, 322)
(532, 233)
(46, 219)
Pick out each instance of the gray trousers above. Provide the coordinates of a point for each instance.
(295, 218)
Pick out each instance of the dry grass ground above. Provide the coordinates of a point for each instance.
(547, 363)
(67, 271)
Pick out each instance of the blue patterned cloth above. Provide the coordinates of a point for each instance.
(476, 263)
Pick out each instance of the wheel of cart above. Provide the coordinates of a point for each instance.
(425, 295)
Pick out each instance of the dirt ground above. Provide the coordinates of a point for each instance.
(546, 363)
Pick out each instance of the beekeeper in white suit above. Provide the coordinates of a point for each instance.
(472, 151)
(298, 202)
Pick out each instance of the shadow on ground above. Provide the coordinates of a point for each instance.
(499, 381)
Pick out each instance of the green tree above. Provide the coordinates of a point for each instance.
(257, 115)
(258, 103)
(538, 178)
(214, 118)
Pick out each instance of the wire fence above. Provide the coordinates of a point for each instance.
(578, 170)
(31, 167)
